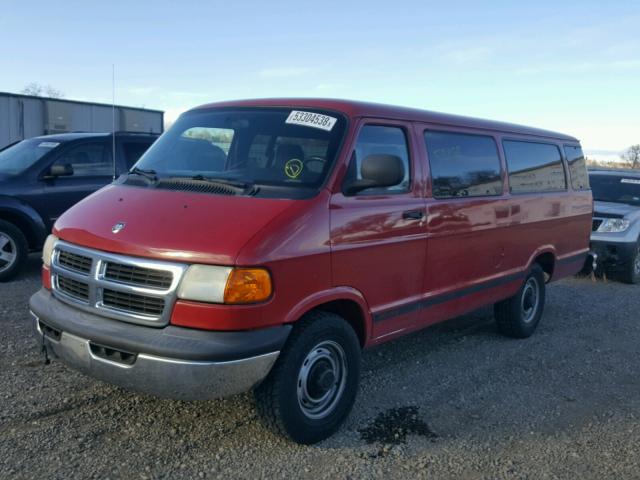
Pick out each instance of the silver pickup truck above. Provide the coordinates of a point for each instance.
(616, 222)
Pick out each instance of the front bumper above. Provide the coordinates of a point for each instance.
(170, 362)
(614, 255)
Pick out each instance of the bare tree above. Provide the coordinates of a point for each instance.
(39, 90)
(632, 156)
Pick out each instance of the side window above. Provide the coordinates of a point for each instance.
(577, 167)
(133, 151)
(380, 140)
(463, 165)
(534, 167)
(88, 160)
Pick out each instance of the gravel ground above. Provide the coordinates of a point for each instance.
(454, 401)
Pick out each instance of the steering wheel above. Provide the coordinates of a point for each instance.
(315, 159)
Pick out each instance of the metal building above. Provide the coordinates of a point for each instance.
(25, 116)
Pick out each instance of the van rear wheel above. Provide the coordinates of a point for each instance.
(519, 315)
(13, 250)
(313, 384)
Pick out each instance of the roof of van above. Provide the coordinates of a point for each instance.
(365, 109)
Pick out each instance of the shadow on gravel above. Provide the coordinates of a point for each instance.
(70, 407)
(31, 267)
(392, 427)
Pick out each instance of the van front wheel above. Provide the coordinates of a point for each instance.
(519, 315)
(313, 384)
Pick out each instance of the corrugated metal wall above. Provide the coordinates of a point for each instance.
(25, 117)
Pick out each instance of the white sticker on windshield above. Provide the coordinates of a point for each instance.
(48, 144)
(310, 119)
(630, 180)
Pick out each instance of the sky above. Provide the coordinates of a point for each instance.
(570, 66)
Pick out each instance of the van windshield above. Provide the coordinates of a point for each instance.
(279, 152)
(20, 156)
(617, 189)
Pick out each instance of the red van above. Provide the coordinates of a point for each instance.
(262, 244)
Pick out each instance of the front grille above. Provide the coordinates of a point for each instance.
(131, 302)
(73, 288)
(138, 276)
(73, 261)
(115, 286)
(596, 224)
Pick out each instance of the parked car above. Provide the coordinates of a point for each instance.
(262, 244)
(616, 222)
(42, 177)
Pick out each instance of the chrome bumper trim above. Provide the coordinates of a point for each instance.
(159, 376)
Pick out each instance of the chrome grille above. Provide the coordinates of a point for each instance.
(73, 288)
(72, 261)
(125, 288)
(132, 275)
(131, 302)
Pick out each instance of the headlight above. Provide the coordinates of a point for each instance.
(47, 250)
(204, 283)
(613, 225)
(216, 284)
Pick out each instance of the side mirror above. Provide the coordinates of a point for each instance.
(59, 171)
(377, 171)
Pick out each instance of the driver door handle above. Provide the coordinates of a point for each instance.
(413, 215)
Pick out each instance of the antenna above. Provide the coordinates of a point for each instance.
(113, 119)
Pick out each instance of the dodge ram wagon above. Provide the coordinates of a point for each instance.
(261, 245)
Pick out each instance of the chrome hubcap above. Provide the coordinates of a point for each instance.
(322, 379)
(530, 299)
(8, 253)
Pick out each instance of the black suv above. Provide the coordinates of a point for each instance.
(42, 177)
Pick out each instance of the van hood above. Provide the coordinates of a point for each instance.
(614, 209)
(167, 225)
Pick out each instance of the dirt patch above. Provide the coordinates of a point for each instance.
(392, 426)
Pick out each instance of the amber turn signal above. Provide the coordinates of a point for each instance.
(247, 285)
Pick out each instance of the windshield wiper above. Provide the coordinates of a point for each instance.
(246, 188)
(148, 174)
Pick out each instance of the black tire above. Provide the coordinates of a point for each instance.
(631, 272)
(281, 396)
(13, 250)
(519, 315)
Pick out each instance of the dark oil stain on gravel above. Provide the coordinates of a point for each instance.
(393, 426)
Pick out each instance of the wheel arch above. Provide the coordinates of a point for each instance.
(24, 217)
(546, 257)
(347, 302)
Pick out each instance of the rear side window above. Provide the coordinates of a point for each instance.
(534, 167)
(577, 167)
(463, 165)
